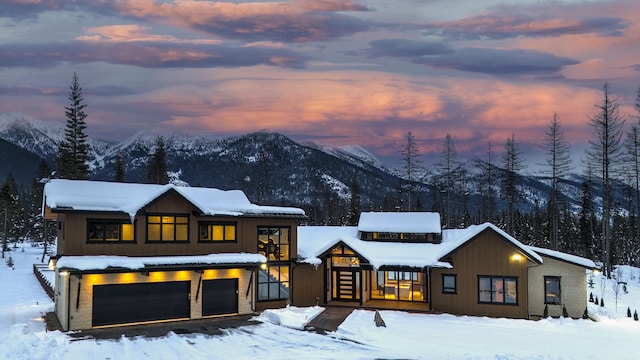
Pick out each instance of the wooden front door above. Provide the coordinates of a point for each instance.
(346, 285)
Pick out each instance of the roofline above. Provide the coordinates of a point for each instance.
(488, 228)
(566, 260)
(168, 267)
(327, 252)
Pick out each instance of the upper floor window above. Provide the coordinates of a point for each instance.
(401, 237)
(552, 290)
(498, 290)
(273, 242)
(110, 231)
(167, 228)
(217, 232)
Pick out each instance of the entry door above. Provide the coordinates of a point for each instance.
(219, 297)
(346, 285)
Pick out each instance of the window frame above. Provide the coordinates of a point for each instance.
(494, 291)
(279, 243)
(175, 227)
(224, 224)
(104, 240)
(449, 290)
(558, 300)
(277, 283)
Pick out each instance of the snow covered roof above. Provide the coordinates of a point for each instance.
(573, 259)
(129, 198)
(406, 222)
(313, 241)
(103, 262)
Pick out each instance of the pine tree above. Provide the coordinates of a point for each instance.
(487, 183)
(355, 203)
(606, 151)
(558, 161)
(545, 312)
(585, 314)
(73, 150)
(157, 167)
(118, 167)
(449, 170)
(564, 311)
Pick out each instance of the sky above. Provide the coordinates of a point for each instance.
(360, 72)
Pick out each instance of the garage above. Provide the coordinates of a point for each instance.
(131, 303)
(219, 297)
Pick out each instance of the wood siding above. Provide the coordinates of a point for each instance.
(308, 285)
(73, 232)
(487, 255)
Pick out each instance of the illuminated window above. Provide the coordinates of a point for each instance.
(449, 284)
(399, 285)
(167, 228)
(498, 290)
(273, 283)
(224, 232)
(273, 243)
(552, 290)
(110, 231)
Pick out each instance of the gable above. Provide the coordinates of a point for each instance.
(170, 202)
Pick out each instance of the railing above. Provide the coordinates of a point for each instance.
(44, 282)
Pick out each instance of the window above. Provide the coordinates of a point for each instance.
(498, 290)
(110, 231)
(167, 228)
(449, 284)
(552, 290)
(399, 285)
(273, 283)
(217, 232)
(273, 243)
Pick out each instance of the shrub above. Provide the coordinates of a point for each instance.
(628, 312)
(545, 313)
(564, 311)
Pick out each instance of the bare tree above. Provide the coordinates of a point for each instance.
(558, 161)
(449, 169)
(513, 162)
(487, 182)
(605, 152)
(411, 163)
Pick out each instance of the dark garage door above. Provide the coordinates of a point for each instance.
(129, 303)
(219, 297)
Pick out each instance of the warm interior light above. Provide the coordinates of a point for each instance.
(263, 266)
(52, 264)
(516, 257)
(64, 273)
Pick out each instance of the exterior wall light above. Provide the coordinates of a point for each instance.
(516, 257)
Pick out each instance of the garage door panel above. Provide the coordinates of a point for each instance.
(129, 303)
(219, 297)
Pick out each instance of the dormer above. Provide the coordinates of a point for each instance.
(404, 227)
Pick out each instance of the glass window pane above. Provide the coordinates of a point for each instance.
(96, 232)
(230, 233)
(218, 233)
(153, 219)
(112, 231)
(511, 291)
(484, 288)
(153, 232)
(497, 290)
(168, 232)
(182, 232)
(127, 232)
(204, 232)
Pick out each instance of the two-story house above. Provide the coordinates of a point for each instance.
(134, 253)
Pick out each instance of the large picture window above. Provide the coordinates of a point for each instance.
(399, 285)
(273, 243)
(552, 290)
(110, 231)
(167, 228)
(217, 232)
(498, 290)
(273, 283)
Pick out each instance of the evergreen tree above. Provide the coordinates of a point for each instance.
(513, 162)
(73, 150)
(606, 151)
(157, 167)
(558, 161)
(118, 167)
(488, 178)
(410, 153)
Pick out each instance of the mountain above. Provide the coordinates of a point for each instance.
(271, 168)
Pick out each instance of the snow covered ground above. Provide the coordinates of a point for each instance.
(407, 336)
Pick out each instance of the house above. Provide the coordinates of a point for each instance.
(134, 253)
(405, 261)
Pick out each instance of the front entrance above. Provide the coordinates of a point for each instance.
(346, 285)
